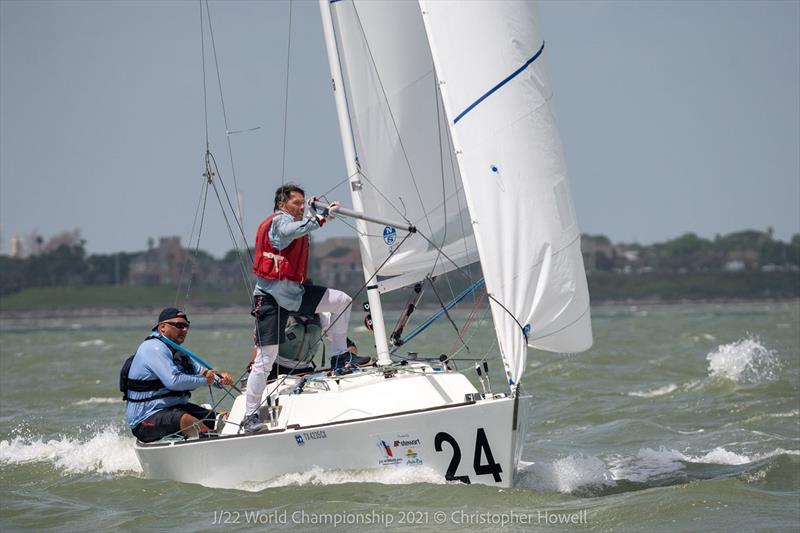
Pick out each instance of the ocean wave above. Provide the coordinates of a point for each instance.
(320, 476)
(653, 393)
(93, 401)
(565, 475)
(744, 361)
(105, 451)
(649, 467)
(100, 343)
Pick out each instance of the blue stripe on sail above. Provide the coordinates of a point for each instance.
(508, 79)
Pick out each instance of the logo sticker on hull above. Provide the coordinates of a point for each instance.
(399, 450)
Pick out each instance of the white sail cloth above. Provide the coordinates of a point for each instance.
(489, 57)
(407, 167)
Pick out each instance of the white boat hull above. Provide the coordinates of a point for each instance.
(469, 441)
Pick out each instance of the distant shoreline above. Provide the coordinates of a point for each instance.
(201, 310)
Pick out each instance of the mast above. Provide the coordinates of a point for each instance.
(351, 161)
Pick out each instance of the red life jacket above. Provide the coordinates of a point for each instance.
(291, 263)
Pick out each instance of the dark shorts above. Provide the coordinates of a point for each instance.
(168, 421)
(271, 318)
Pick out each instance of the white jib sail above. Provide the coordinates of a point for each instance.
(408, 170)
(489, 57)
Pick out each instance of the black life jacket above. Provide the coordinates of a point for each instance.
(143, 385)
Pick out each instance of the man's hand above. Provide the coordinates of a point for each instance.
(225, 378)
(222, 378)
(330, 211)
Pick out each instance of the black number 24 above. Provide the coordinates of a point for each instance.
(481, 445)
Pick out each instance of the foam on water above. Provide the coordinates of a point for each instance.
(653, 393)
(100, 343)
(94, 401)
(105, 451)
(319, 476)
(744, 361)
(576, 472)
(565, 475)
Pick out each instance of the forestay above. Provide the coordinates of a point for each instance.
(407, 166)
(490, 60)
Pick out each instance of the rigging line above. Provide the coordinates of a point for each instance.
(391, 115)
(458, 186)
(386, 199)
(227, 197)
(441, 170)
(201, 202)
(233, 239)
(222, 102)
(472, 335)
(344, 85)
(337, 185)
(343, 220)
(495, 300)
(446, 313)
(286, 94)
(468, 322)
(367, 282)
(191, 238)
(444, 188)
(242, 262)
(203, 58)
(428, 321)
(353, 299)
(457, 267)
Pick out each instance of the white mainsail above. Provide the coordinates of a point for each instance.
(406, 162)
(489, 57)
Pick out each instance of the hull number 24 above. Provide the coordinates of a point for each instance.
(481, 448)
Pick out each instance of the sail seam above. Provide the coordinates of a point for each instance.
(499, 85)
(562, 328)
(538, 263)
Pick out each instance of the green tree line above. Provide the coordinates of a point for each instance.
(648, 267)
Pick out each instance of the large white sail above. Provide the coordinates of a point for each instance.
(490, 59)
(408, 170)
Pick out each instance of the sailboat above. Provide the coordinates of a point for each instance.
(454, 160)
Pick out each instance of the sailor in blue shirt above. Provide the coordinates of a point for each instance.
(159, 381)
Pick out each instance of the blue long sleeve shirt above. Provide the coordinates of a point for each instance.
(154, 360)
(285, 229)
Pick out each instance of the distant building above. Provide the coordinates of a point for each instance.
(337, 263)
(741, 260)
(160, 265)
(16, 247)
(734, 266)
(598, 253)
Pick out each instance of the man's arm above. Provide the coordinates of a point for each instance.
(284, 230)
(158, 360)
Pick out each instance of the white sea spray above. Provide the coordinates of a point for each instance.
(105, 451)
(744, 361)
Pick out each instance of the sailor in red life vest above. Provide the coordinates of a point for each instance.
(281, 264)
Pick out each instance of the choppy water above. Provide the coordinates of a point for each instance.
(681, 418)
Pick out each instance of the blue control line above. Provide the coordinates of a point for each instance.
(430, 320)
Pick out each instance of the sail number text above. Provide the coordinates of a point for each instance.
(481, 448)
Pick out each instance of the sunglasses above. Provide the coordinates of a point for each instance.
(178, 325)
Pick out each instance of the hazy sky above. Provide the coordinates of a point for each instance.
(675, 116)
